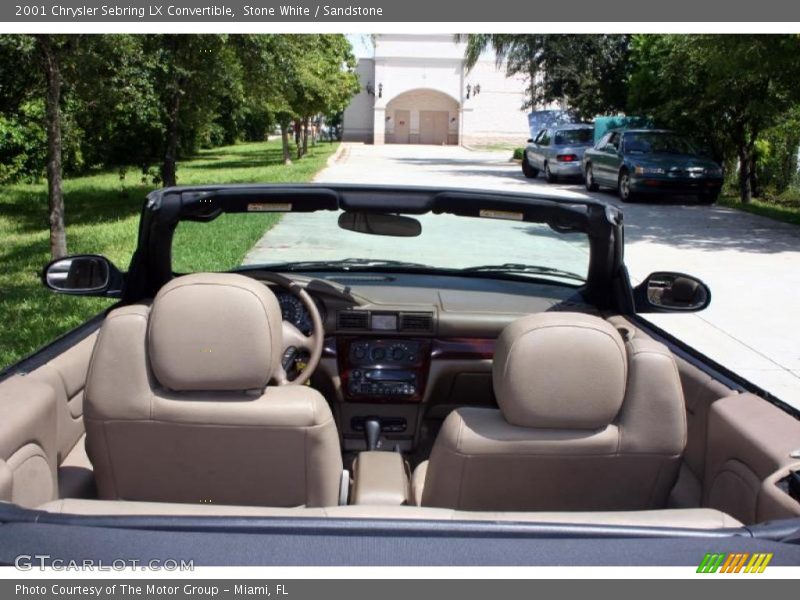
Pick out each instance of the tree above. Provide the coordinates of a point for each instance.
(586, 73)
(267, 71)
(190, 74)
(725, 89)
(52, 50)
(298, 78)
(52, 57)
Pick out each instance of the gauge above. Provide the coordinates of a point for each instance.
(398, 352)
(292, 309)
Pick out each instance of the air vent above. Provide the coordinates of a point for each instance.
(352, 319)
(416, 322)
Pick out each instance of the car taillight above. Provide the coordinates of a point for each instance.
(566, 157)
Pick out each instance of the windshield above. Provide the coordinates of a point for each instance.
(446, 242)
(657, 142)
(577, 137)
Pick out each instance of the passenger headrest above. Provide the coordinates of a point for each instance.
(214, 332)
(560, 370)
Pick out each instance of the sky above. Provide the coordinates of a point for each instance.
(362, 44)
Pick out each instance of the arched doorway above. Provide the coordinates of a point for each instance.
(422, 116)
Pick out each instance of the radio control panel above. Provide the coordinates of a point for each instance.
(383, 369)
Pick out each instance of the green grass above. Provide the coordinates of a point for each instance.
(496, 147)
(102, 213)
(787, 211)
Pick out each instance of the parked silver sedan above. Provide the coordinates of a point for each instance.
(557, 151)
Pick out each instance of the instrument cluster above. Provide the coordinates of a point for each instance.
(295, 312)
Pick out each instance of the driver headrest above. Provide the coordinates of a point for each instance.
(560, 370)
(214, 332)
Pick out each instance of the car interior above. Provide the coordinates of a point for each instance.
(393, 396)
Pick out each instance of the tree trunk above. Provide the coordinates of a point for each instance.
(55, 195)
(287, 151)
(297, 138)
(745, 179)
(305, 136)
(169, 169)
(754, 183)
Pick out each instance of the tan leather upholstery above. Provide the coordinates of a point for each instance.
(214, 332)
(586, 422)
(380, 479)
(27, 441)
(175, 415)
(66, 374)
(559, 370)
(750, 446)
(698, 518)
(75, 474)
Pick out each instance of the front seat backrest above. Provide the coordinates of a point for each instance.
(586, 422)
(178, 406)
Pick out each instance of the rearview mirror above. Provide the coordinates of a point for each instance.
(671, 292)
(83, 275)
(380, 224)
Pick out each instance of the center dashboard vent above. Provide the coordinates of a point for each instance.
(418, 321)
(352, 319)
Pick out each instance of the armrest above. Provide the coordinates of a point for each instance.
(380, 478)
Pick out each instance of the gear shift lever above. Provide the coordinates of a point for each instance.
(372, 433)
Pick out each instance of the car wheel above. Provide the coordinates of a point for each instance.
(549, 174)
(708, 197)
(529, 171)
(591, 184)
(624, 187)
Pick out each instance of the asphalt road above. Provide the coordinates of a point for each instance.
(751, 263)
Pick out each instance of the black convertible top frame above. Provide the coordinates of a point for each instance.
(607, 284)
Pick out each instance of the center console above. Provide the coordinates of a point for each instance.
(380, 479)
(383, 380)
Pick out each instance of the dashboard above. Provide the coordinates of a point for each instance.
(407, 347)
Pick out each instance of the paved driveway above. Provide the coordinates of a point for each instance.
(752, 264)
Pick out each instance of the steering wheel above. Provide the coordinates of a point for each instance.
(294, 339)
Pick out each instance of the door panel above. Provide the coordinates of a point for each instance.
(66, 374)
(402, 126)
(748, 452)
(433, 127)
(27, 441)
(41, 430)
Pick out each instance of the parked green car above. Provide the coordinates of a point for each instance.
(638, 162)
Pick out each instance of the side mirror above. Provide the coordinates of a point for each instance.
(380, 224)
(671, 292)
(530, 140)
(83, 275)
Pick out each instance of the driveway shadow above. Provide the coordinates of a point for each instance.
(678, 221)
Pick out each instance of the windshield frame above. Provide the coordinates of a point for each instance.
(164, 209)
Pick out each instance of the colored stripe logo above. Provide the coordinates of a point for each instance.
(737, 562)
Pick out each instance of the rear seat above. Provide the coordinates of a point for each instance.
(686, 518)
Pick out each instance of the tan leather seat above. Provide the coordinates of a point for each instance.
(178, 406)
(586, 422)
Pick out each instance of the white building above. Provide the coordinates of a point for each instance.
(416, 90)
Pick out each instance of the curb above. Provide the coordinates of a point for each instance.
(341, 153)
